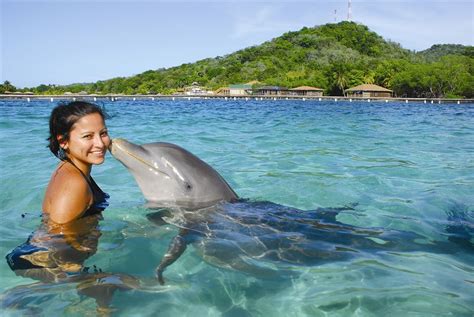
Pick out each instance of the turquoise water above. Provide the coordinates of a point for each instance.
(406, 166)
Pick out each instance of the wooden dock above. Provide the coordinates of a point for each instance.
(116, 97)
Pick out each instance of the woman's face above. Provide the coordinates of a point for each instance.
(88, 141)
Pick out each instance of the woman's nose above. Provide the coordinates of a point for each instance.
(98, 141)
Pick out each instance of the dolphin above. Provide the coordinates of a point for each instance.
(243, 234)
(169, 175)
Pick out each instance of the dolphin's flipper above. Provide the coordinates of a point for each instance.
(175, 249)
(157, 217)
(330, 214)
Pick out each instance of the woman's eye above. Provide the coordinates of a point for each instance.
(105, 133)
(88, 136)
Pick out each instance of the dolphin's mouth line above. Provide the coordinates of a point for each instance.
(140, 159)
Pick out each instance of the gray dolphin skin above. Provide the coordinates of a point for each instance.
(169, 175)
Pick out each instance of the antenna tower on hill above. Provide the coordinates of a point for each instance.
(349, 10)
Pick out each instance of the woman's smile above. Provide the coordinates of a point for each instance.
(99, 153)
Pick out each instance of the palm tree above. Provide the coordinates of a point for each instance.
(369, 78)
(340, 77)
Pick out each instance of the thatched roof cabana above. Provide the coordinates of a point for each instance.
(307, 88)
(368, 90)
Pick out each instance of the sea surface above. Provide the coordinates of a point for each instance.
(405, 167)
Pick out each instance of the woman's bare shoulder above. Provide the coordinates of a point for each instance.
(68, 195)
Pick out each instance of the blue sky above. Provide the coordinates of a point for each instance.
(70, 41)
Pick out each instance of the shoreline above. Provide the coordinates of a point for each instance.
(116, 97)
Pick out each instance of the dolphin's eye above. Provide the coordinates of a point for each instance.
(188, 186)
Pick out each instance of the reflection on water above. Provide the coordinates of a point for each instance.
(56, 253)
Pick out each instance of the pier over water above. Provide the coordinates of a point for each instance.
(116, 97)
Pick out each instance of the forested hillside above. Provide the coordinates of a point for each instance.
(332, 56)
(435, 52)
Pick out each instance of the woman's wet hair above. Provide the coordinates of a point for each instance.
(63, 117)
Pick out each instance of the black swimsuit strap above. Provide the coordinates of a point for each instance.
(88, 179)
(99, 198)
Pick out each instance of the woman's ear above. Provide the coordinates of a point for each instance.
(62, 141)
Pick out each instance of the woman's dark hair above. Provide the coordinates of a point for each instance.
(63, 118)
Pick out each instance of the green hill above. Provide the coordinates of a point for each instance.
(437, 51)
(332, 56)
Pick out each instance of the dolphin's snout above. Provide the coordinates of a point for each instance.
(118, 140)
(115, 145)
(133, 156)
(110, 145)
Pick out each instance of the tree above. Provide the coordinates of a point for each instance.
(7, 86)
(339, 74)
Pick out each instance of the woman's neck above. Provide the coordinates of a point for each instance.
(83, 167)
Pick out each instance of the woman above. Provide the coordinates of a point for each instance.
(73, 202)
(79, 138)
(72, 206)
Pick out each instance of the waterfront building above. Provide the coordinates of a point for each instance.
(241, 89)
(195, 89)
(18, 93)
(272, 90)
(223, 91)
(237, 89)
(368, 91)
(306, 91)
